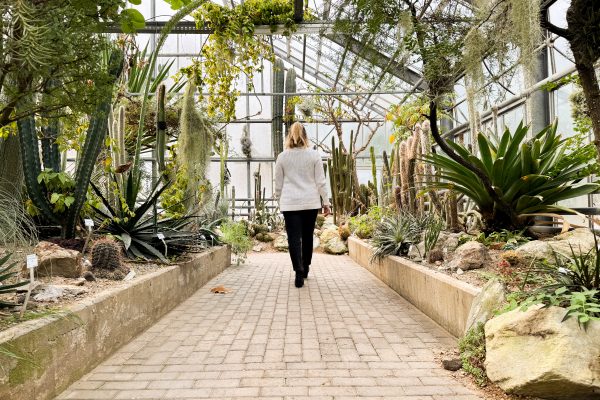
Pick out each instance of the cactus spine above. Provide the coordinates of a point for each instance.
(277, 107)
(290, 109)
(94, 140)
(161, 128)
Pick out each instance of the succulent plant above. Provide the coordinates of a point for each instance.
(106, 255)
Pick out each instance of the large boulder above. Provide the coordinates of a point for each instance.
(535, 353)
(471, 255)
(54, 260)
(579, 241)
(331, 242)
(485, 304)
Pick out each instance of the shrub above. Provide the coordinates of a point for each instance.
(524, 176)
(472, 353)
(236, 235)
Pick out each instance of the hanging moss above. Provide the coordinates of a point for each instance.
(195, 145)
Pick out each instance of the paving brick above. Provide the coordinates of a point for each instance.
(268, 340)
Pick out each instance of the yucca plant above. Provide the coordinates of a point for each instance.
(7, 272)
(524, 175)
(138, 228)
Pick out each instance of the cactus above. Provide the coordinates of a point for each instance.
(94, 140)
(452, 222)
(278, 78)
(386, 181)
(374, 173)
(106, 254)
(290, 87)
(341, 173)
(161, 128)
(403, 169)
(117, 132)
(232, 202)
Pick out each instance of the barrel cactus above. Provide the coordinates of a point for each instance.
(106, 255)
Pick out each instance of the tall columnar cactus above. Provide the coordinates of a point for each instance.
(94, 140)
(374, 173)
(403, 168)
(290, 109)
(50, 151)
(386, 181)
(341, 173)
(278, 80)
(161, 128)
(117, 132)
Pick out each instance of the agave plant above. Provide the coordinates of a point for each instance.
(7, 272)
(147, 237)
(524, 174)
(394, 234)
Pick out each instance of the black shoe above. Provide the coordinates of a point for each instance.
(305, 272)
(299, 282)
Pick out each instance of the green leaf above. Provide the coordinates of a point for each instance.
(132, 20)
(54, 198)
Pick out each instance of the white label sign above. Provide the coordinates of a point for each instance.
(32, 261)
(160, 236)
(89, 222)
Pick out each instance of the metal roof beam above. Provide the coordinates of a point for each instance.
(378, 59)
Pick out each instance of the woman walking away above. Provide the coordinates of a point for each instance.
(300, 186)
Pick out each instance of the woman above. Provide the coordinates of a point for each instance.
(300, 186)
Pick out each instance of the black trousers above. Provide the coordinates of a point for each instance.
(300, 226)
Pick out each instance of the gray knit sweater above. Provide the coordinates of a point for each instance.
(300, 180)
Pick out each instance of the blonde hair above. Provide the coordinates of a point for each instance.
(297, 137)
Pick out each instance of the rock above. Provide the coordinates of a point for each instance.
(416, 252)
(491, 298)
(89, 276)
(316, 242)
(459, 272)
(535, 353)
(53, 260)
(317, 232)
(471, 255)
(53, 293)
(448, 242)
(581, 240)
(280, 243)
(130, 275)
(537, 249)
(453, 364)
(80, 282)
(331, 242)
(258, 248)
(435, 256)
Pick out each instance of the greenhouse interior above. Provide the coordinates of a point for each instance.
(300, 199)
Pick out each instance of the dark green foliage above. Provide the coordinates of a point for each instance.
(472, 353)
(138, 229)
(94, 141)
(8, 271)
(522, 172)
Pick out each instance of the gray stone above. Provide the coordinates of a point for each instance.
(280, 243)
(578, 241)
(536, 353)
(53, 293)
(258, 248)
(453, 364)
(54, 260)
(416, 252)
(490, 299)
(448, 242)
(471, 255)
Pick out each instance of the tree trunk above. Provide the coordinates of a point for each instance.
(589, 83)
(11, 169)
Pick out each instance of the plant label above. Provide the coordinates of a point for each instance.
(89, 223)
(160, 236)
(32, 261)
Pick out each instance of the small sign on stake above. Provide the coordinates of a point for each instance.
(160, 236)
(32, 261)
(89, 223)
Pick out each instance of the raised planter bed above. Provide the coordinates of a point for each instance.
(442, 298)
(56, 351)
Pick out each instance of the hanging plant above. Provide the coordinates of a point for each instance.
(233, 48)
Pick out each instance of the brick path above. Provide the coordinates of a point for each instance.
(344, 335)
